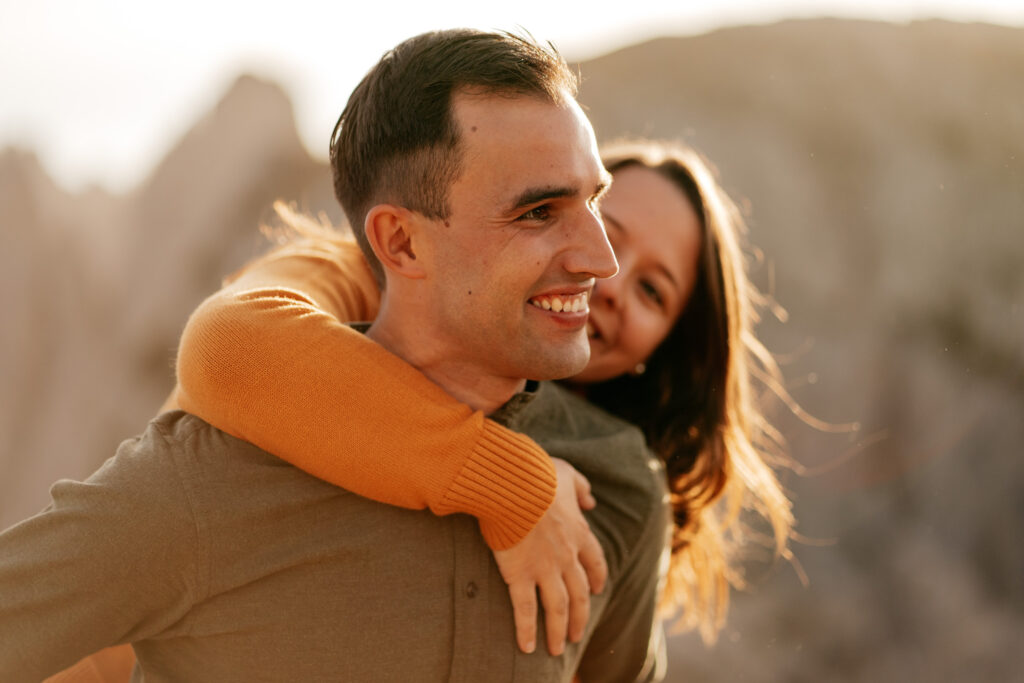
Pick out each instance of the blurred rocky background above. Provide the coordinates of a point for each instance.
(882, 168)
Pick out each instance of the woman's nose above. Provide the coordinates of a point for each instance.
(608, 292)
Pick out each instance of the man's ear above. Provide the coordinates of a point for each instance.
(393, 233)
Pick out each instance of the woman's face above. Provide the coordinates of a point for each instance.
(656, 235)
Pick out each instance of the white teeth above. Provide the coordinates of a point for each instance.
(571, 304)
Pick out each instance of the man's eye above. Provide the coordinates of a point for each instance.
(541, 213)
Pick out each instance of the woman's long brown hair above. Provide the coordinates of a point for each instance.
(695, 402)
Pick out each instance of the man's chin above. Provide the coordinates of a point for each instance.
(559, 366)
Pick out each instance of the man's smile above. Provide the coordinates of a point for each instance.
(559, 303)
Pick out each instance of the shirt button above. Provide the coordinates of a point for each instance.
(471, 590)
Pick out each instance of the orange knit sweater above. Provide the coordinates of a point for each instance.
(269, 360)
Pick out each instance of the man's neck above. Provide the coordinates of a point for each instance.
(460, 378)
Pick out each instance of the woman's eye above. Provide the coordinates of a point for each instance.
(651, 292)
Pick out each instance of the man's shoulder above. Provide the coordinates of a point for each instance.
(175, 426)
(191, 441)
(159, 465)
(189, 460)
(154, 449)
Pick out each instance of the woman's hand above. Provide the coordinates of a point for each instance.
(562, 558)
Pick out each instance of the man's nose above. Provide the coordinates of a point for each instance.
(592, 255)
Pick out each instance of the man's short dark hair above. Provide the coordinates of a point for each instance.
(397, 140)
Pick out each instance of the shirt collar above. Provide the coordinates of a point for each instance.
(509, 413)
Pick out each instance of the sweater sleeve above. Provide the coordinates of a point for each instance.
(111, 665)
(269, 359)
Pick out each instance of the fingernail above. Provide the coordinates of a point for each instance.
(530, 646)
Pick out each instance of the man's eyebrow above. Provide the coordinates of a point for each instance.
(537, 195)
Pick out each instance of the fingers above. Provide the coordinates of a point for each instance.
(562, 559)
(592, 558)
(524, 608)
(566, 603)
(578, 589)
(555, 598)
(583, 495)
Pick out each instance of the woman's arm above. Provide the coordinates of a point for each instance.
(269, 359)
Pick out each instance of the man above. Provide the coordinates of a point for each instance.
(475, 176)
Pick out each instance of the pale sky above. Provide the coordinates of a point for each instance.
(101, 89)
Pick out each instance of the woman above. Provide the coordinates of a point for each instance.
(672, 350)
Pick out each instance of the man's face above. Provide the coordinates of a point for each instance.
(517, 258)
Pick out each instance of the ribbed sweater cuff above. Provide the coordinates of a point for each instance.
(507, 483)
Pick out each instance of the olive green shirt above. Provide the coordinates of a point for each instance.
(220, 562)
